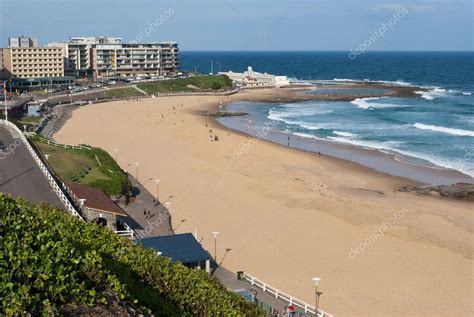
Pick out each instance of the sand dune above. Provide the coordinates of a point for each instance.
(288, 215)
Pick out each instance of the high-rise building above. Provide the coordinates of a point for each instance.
(23, 41)
(33, 62)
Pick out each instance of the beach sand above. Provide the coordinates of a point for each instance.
(289, 215)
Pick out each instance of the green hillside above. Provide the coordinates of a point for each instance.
(189, 84)
(52, 263)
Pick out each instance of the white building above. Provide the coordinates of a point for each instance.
(251, 78)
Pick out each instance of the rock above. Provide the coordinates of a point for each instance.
(460, 191)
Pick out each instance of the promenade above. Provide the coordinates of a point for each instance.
(159, 224)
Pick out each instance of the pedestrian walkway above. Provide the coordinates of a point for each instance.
(266, 301)
(159, 224)
(140, 90)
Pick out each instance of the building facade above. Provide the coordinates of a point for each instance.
(251, 78)
(110, 57)
(23, 41)
(33, 62)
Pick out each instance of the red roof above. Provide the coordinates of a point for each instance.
(96, 199)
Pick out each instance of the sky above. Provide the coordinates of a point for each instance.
(249, 24)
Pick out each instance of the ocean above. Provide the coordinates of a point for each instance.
(434, 130)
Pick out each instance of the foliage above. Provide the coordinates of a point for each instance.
(189, 84)
(49, 259)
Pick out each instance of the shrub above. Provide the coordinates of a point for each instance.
(49, 260)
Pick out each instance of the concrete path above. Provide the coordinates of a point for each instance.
(19, 174)
(159, 224)
(266, 301)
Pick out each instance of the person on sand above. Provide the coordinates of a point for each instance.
(216, 138)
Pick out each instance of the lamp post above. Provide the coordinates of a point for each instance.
(157, 190)
(317, 294)
(136, 170)
(219, 64)
(215, 234)
(5, 93)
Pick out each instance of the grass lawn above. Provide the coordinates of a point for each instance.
(190, 84)
(81, 166)
(123, 92)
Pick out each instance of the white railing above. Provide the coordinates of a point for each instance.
(65, 146)
(44, 169)
(307, 308)
(127, 232)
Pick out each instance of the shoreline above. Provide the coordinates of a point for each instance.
(372, 158)
(288, 215)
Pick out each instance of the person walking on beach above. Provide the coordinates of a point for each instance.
(288, 140)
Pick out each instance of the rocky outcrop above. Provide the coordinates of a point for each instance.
(462, 191)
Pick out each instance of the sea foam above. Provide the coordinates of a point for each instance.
(432, 94)
(452, 131)
(346, 134)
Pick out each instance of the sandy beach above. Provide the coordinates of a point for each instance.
(289, 215)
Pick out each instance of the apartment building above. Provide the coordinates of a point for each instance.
(110, 56)
(136, 59)
(33, 62)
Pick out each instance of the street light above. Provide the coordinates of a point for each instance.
(219, 66)
(136, 170)
(215, 234)
(316, 281)
(5, 93)
(157, 190)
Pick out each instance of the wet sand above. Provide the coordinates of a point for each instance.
(288, 215)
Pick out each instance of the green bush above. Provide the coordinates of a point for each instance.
(50, 260)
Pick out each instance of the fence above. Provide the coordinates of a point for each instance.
(284, 296)
(64, 199)
(65, 146)
(44, 170)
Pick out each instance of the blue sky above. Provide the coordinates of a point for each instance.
(248, 24)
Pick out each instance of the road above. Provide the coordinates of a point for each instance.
(19, 174)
